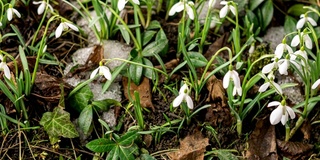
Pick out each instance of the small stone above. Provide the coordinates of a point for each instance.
(109, 118)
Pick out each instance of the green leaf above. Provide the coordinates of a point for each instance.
(149, 73)
(57, 123)
(290, 26)
(225, 155)
(297, 10)
(81, 98)
(105, 104)
(154, 47)
(147, 36)
(101, 145)
(124, 33)
(136, 71)
(254, 4)
(197, 59)
(147, 157)
(85, 119)
(128, 138)
(154, 25)
(125, 153)
(113, 154)
(253, 19)
(267, 13)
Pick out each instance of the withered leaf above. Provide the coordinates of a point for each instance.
(143, 89)
(294, 150)
(262, 141)
(216, 90)
(191, 147)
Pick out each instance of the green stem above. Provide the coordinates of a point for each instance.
(136, 21)
(287, 132)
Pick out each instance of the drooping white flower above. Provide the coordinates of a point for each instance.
(42, 6)
(122, 3)
(252, 48)
(224, 10)
(103, 70)
(269, 67)
(0, 24)
(181, 5)
(270, 82)
(212, 3)
(11, 11)
(4, 67)
(232, 75)
(315, 84)
(302, 54)
(280, 113)
(64, 26)
(281, 48)
(303, 19)
(306, 39)
(183, 96)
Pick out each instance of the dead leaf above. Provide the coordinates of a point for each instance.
(96, 56)
(170, 65)
(306, 129)
(294, 150)
(262, 141)
(191, 147)
(216, 90)
(215, 46)
(143, 89)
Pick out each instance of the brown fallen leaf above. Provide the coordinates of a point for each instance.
(143, 89)
(294, 150)
(215, 46)
(306, 129)
(262, 141)
(216, 90)
(192, 147)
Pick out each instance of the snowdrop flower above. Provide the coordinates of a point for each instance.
(183, 96)
(270, 81)
(301, 53)
(281, 48)
(42, 6)
(11, 11)
(181, 5)
(252, 48)
(4, 67)
(306, 39)
(0, 24)
(224, 10)
(280, 113)
(122, 3)
(64, 26)
(103, 70)
(269, 67)
(232, 75)
(315, 84)
(303, 19)
(285, 63)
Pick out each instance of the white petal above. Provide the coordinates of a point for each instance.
(307, 41)
(291, 112)
(223, 12)
(16, 12)
(274, 103)
(136, 2)
(189, 102)
(50, 7)
(284, 67)
(268, 68)
(279, 50)
(178, 7)
(300, 23)
(226, 79)
(315, 84)
(295, 41)
(223, 2)
(239, 90)
(38, 2)
(41, 8)
(190, 12)
(235, 78)
(276, 115)
(184, 89)
(264, 87)
(177, 101)
(0, 24)
(9, 14)
(284, 118)
(121, 4)
(72, 26)
(94, 73)
(5, 69)
(312, 22)
(233, 10)
(105, 72)
(59, 30)
(288, 48)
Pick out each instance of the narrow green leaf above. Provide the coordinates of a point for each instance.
(149, 73)
(154, 47)
(136, 71)
(147, 36)
(124, 33)
(85, 119)
(254, 4)
(101, 145)
(105, 104)
(154, 25)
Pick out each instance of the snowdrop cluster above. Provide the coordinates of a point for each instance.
(183, 5)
